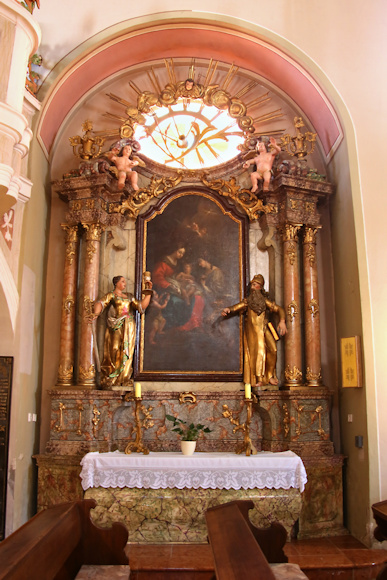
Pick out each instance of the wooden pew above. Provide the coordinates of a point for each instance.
(56, 542)
(241, 550)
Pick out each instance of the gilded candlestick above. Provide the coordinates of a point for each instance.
(247, 446)
(141, 423)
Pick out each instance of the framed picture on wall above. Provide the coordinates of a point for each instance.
(194, 245)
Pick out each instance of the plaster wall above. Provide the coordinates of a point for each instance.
(25, 346)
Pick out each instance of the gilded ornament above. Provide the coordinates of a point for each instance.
(87, 146)
(68, 304)
(86, 374)
(187, 397)
(65, 373)
(309, 207)
(291, 252)
(310, 235)
(292, 310)
(299, 145)
(320, 430)
(71, 232)
(310, 254)
(80, 410)
(313, 378)
(88, 308)
(290, 232)
(293, 375)
(210, 94)
(59, 426)
(247, 200)
(313, 307)
(157, 186)
(95, 420)
(286, 420)
(299, 409)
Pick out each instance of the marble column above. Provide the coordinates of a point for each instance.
(67, 326)
(86, 371)
(293, 350)
(312, 310)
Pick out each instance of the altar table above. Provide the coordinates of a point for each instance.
(162, 497)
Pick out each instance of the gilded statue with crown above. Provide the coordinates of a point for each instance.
(259, 341)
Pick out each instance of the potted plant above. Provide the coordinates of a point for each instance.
(188, 433)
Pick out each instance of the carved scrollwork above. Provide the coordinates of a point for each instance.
(95, 420)
(247, 200)
(132, 206)
(59, 426)
(299, 409)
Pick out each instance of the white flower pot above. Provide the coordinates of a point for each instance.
(188, 447)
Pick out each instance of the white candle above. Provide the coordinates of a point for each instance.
(137, 390)
(247, 391)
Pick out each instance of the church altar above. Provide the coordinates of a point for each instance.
(162, 497)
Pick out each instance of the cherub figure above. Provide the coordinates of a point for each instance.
(124, 165)
(264, 162)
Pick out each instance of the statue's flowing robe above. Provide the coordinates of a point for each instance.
(259, 346)
(120, 337)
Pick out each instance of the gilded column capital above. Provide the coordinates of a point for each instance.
(93, 231)
(71, 232)
(310, 235)
(290, 232)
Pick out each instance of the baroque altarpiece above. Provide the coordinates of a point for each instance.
(228, 234)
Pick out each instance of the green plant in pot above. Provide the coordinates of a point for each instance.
(189, 433)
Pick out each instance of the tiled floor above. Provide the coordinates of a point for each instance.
(341, 557)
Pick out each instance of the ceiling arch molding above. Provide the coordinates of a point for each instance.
(94, 63)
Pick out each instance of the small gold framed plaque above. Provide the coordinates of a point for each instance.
(351, 367)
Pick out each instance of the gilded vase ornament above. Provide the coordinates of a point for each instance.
(88, 146)
(301, 144)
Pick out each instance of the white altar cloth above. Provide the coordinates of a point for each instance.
(281, 470)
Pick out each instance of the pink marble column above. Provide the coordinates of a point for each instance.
(86, 370)
(67, 326)
(293, 351)
(312, 310)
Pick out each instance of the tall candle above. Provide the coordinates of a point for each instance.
(247, 391)
(137, 390)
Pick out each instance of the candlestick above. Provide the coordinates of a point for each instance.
(137, 390)
(247, 391)
(247, 446)
(145, 423)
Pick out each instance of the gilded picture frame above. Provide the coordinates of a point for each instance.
(194, 243)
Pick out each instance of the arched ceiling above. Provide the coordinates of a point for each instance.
(80, 92)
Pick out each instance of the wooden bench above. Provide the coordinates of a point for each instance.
(56, 542)
(379, 511)
(241, 550)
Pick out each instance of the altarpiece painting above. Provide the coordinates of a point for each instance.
(194, 247)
